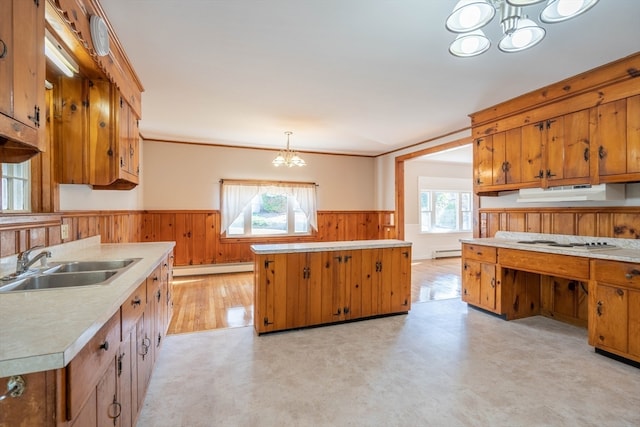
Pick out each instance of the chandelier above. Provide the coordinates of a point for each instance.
(520, 32)
(288, 157)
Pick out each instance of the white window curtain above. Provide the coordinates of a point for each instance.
(237, 195)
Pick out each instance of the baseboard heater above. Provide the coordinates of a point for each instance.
(447, 253)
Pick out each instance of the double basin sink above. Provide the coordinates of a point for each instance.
(68, 274)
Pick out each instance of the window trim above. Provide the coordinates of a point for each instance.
(244, 191)
(27, 187)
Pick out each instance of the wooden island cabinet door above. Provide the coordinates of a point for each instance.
(610, 311)
(471, 274)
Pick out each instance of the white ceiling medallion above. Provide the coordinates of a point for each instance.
(99, 35)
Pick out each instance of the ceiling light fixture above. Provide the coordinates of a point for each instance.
(288, 157)
(519, 31)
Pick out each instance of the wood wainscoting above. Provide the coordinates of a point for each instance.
(618, 222)
(196, 233)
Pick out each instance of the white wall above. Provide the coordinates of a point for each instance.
(438, 176)
(186, 176)
(385, 169)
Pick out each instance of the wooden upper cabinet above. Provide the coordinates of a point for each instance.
(616, 136)
(121, 161)
(507, 149)
(96, 135)
(483, 163)
(577, 131)
(22, 71)
(610, 137)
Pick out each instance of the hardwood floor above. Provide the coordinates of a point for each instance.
(226, 300)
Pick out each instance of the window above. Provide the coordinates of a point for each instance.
(445, 211)
(251, 208)
(16, 188)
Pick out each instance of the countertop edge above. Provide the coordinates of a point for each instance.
(328, 246)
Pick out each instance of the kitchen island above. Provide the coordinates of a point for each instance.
(310, 284)
(85, 353)
(587, 281)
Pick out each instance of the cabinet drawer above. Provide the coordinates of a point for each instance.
(133, 308)
(618, 273)
(567, 266)
(479, 252)
(87, 367)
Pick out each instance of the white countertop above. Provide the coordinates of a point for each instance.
(627, 250)
(44, 329)
(328, 246)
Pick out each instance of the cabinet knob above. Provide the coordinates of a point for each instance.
(631, 274)
(3, 52)
(104, 346)
(136, 301)
(601, 152)
(599, 308)
(15, 387)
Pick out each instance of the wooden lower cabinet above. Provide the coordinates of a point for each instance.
(480, 281)
(106, 382)
(299, 289)
(614, 308)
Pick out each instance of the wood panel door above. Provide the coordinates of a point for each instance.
(297, 295)
(270, 290)
(610, 137)
(108, 406)
(531, 154)
(634, 323)
(401, 280)
(471, 275)
(314, 287)
(369, 282)
(507, 148)
(488, 286)
(610, 310)
(568, 149)
(483, 162)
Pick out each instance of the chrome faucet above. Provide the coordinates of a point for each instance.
(23, 262)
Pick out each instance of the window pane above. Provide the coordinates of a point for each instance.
(446, 211)
(18, 194)
(465, 201)
(269, 214)
(5, 199)
(425, 221)
(425, 201)
(237, 226)
(466, 221)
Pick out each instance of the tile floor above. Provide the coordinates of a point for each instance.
(441, 365)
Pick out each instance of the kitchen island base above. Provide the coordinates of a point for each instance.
(302, 285)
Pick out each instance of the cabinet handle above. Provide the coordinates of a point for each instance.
(406, 254)
(601, 152)
(345, 310)
(120, 364)
(159, 339)
(158, 295)
(464, 267)
(540, 174)
(504, 166)
(146, 343)
(121, 162)
(136, 301)
(339, 258)
(549, 174)
(266, 322)
(586, 154)
(337, 313)
(631, 274)
(3, 53)
(347, 258)
(493, 282)
(104, 346)
(118, 409)
(599, 308)
(15, 387)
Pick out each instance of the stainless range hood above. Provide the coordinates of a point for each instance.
(573, 193)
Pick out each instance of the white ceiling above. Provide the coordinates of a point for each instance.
(345, 76)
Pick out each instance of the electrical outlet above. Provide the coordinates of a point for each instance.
(64, 231)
